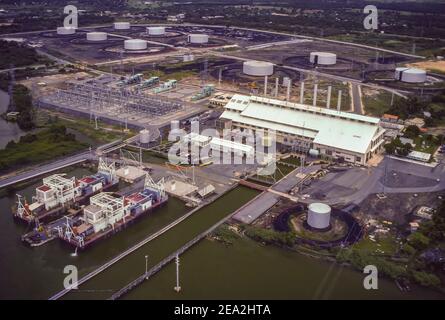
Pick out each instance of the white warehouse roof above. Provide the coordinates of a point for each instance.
(342, 130)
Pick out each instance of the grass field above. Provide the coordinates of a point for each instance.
(376, 103)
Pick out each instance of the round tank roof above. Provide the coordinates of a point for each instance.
(320, 208)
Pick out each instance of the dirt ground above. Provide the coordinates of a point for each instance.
(430, 65)
(396, 207)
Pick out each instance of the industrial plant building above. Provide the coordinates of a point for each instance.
(326, 132)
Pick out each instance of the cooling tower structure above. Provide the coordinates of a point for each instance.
(258, 68)
(66, 30)
(323, 58)
(121, 25)
(96, 36)
(319, 216)
(135, 44)
(156, 31)
(198, 38)
(410, 75)
(144, 136)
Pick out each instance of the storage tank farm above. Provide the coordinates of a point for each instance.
(121, 25)
(410, 75)
(319, 216)
(258, 68)
(196, 38)
(144, 136)
(135, 44)
(66, 30)
(156, 31)
(323, 58)
(97, 36)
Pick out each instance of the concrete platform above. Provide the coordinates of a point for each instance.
(130, 173)
(256, 208)
(178, 188)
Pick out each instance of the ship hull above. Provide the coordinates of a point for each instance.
(119, 226)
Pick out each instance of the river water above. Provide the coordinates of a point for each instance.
(8, 130)
(37, 273)
(248, 270)
(209, 270)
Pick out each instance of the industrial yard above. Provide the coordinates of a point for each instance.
(225, 134)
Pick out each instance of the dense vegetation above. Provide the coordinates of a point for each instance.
(415, 107)
(23, 104)
(32, 148)
(269, 236)
(13, 54)
(42, 20)
(421, 142)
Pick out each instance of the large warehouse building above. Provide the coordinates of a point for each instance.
(331, 133)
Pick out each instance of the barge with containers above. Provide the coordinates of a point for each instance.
(58, 193)
(109, 213)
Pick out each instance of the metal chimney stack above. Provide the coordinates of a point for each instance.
(265, 86)
(314, 102)
(288, 90)
(328, 101)
(302, 92)
(276, 86)
(339, 101)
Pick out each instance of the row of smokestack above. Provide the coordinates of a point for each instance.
(314, 101)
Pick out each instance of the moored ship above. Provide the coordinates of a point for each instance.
(109, 213)
(59, 193)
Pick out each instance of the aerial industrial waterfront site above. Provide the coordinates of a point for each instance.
(144, 151)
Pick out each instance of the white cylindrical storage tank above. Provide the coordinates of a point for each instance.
(258, 68)
(96, 36)
(410, 75)
(174, 125)
(144, 136)
(156, 31)
(66, 30)
(198, 38)
(135, 44)
(319, 215)
(122, 25)
(314, 153)
(323, 58)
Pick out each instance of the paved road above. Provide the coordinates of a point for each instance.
(35, 172)
(356, 99)
(34, 66)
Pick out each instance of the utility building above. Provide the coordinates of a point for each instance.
(330, 133)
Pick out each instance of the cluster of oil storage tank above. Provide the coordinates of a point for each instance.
(319, 216)
(144, 136)
(66, 30)
(410, 75)
(323, 58)
(258, 68)
(135, 44)
(156, 31)
(197, 38)
(121, 25)
(97, 36)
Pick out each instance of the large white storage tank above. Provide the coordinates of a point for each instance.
(144, 136)
(122, 25)
(66, 30)
(258, 68)
(198, 38)
(156, 31)
(319, 215)
(96, 36)
(135, 44)
(323, 58)
(410, 75)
